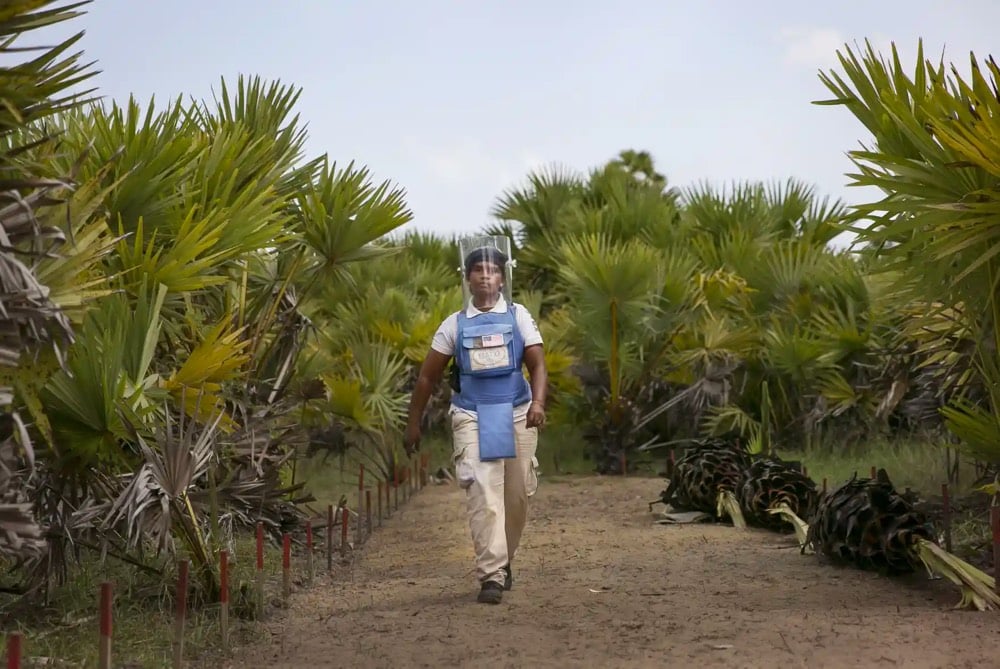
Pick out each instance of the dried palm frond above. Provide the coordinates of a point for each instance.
(978, 588)
(729, 506)
(249, 485)
(800, 526)
(21, 536)
(154, 503)
(32, 326)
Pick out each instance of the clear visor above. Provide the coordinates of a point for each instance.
(486, 266)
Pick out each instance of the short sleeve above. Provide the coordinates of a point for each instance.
(529, 329)
(444, 339)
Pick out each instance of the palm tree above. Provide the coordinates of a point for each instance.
(808, 321)
(679, 306)
(174, 415)
(534, 217)
(586, 266)
(36, 329)
(626, 300)
(639, 165)
(934, 155)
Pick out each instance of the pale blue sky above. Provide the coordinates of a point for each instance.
(455, 101)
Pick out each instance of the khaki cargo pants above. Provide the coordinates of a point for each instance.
(497, 492)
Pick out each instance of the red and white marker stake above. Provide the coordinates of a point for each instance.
(995, 526)
(224, 598)
(14, 642)
(361, 502)
(104, 646)
(380, 504)
(181, 613)
(286, 566)
(946, 516)
(329, 538)
(309, 550)
(260, 569)
(368, 511)
(343, 530)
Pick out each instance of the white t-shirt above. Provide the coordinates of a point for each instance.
(447, 334)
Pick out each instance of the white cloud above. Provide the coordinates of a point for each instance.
(811, 47)
(458, 162)
(468, 161)
(515, 171)
(456, 181)
(816, 48)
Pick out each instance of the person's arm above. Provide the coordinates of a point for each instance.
(429, 377)
(534, 360)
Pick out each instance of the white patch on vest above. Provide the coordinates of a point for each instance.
(489, 358)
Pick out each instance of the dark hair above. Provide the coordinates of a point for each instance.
(484, 254)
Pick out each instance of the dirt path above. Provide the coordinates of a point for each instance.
(599, 585)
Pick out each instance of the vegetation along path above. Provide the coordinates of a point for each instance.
(600, 584)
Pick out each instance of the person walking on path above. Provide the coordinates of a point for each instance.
(495, 412)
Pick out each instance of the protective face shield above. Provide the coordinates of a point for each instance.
(489, 252)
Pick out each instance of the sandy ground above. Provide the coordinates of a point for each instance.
(599, 584)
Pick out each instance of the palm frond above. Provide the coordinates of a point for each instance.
(344, 212)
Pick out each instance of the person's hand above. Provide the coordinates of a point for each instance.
(411, 439)
(536, 415)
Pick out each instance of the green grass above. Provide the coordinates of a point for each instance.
(329, 479)
(918, 465)
(563, 452)
(560, 452)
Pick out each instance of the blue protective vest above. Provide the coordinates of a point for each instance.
(489, 351)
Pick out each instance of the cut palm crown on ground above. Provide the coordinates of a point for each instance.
(867, 524)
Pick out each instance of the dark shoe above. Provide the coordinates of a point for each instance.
(490, 593)
(508, 579)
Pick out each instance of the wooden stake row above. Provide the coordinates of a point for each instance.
(413, 480)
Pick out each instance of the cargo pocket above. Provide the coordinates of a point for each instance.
(464, 472)
(531, 485)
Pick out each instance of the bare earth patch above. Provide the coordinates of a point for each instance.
(598, 584)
